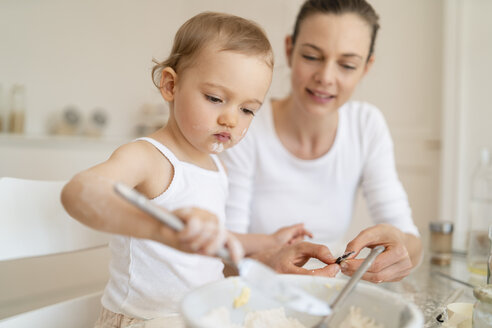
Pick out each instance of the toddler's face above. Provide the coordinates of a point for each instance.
(217, 96)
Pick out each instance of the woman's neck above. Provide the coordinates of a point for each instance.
(305, 135)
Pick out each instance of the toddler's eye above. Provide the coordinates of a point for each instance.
(213, 99)
(248, 111)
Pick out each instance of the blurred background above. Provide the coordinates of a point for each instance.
(75, 83)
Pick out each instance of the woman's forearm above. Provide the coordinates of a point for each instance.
(253, 243)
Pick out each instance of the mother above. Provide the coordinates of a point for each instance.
(305, 155)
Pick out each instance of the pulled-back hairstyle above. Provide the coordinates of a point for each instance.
(224, 31)
(339, 7)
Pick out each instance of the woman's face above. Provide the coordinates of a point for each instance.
(328, 60)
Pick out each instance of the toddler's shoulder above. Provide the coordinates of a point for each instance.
(135, 149)
(140, 154)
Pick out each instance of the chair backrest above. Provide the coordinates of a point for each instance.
(33, 223)
(80, 312)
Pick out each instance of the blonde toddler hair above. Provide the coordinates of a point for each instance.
(224, 31)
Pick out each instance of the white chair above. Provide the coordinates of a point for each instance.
(34, 224)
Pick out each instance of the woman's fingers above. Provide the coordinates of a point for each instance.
(380, 234)
(329, 270)
(391, 265)
(291, 234)
(390, 256)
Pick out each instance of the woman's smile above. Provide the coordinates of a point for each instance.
(320, 97)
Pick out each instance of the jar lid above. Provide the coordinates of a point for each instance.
(483, 293)
(441, 226)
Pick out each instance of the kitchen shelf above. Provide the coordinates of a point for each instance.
(47, 141)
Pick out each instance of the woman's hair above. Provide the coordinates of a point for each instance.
(224, 31)
(338, 7)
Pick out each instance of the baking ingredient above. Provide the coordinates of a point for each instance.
(356, 320)
(243, 298)
(219, 317)
(273, 318)
(441, 242)
(460, 315)
(276, 318)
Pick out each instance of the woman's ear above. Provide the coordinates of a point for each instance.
(369, 64)
(168, 83)
(288, 49)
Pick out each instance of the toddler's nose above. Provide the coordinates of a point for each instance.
(228, 117)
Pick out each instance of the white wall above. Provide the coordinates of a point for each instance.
(99, 53)
(405, 83)
(467, 113)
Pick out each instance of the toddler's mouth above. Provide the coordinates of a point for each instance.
(223, 136)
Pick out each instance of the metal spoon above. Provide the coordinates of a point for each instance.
(349, 286)
(257, 274)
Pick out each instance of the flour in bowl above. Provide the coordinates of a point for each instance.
(356, 320)
(274, 318)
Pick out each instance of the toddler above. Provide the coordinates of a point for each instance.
(214, 80)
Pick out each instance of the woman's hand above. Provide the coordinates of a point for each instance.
(203, 234)
(394, 264)
(291, 258)
(290, 234)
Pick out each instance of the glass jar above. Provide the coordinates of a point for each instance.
(17, 110)
(480, 216)
(441, 242)
(2, 114)
(482, 310)
(489, 267)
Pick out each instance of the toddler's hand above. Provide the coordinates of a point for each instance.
(203, 234)
(291, 234)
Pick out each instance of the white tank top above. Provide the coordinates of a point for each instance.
(148, 279)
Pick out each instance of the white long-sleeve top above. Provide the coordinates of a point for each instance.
(270, 188)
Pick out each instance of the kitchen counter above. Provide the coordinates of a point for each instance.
(429, 290)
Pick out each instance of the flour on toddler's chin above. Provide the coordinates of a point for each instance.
(217, 147)
(274, 318)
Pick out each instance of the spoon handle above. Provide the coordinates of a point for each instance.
(356, 276)
(349, 286)
(159, 213)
